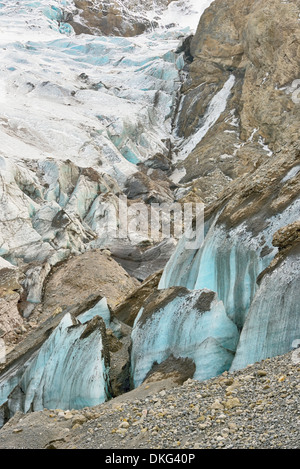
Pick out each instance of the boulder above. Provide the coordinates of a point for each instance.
(92, 273)
(11, 322)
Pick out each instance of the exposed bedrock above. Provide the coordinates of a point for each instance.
(126, 18)
(84, 344)
(258, 44)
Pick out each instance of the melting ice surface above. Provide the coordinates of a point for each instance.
(185, 328)
(273, 321)
(75, 97)
(107, 103)
(100, 102)
(228, 262)
(68, 372)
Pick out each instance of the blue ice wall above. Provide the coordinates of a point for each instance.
(273, 321)
(68, 372)
(182, 329)
(228, 262)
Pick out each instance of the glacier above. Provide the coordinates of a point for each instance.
(214, 110)
(228, 262)
(273, 323)
(78, 115)
(69, 371)
(66, 154)
(187, 324)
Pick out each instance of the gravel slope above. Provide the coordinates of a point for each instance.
(257, 407)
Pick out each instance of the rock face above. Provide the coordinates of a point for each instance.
(10, 319)
(93, 272)
(251, 41)
(142, 261)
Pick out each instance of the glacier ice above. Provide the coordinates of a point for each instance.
(228, 262)
(187, 324)
(273, 321)
(214, 110)
(70, 370)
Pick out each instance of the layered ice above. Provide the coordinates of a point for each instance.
(69, 371)
(273, 321)
(228, 262)
(191, 324)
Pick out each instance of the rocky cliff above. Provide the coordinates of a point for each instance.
(258, 43)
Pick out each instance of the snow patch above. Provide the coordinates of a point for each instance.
(214, 111)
